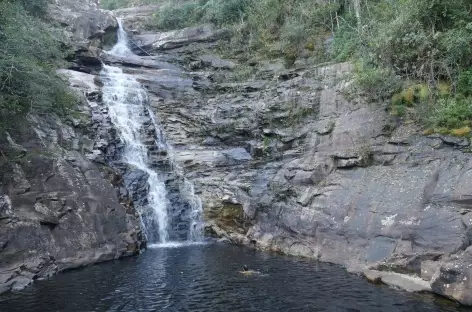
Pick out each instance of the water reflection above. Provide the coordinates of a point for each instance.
(207, 278)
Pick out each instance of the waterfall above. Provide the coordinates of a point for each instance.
(196, 226)
(126, 100)
(127, 103)
(121, 47)
(187, 190)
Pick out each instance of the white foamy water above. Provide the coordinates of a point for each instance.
(175, 244)
(196, 224)
(126, 101)
(121, 48)
(127, 104)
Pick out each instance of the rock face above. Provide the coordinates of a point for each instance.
(287, 160)
(87, 30)
(179, 38)
(452, 278)
(58, 210)
(60, 206)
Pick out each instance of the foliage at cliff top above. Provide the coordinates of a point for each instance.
(117, 4)
(29, 55)
(396, 43)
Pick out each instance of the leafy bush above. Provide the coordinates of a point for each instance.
(266, 17)
(28, 57)
(174, 17)
(426, 40)
(376, 83)
(219, 12)
(226, 12)
(346, 40)
(296, 24)
(114, 4)
(34, 7)
(464, 83)
(452, 113)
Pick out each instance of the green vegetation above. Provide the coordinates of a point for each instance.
(29, 55)
(414, 54)
(426, 43)
(117, 4)
(377, 83)
(453, 112)
(202, 11)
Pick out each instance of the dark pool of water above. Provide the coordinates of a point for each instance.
(207, 278)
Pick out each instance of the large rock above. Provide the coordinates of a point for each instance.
(87, 31)
(84, 23)
(135, 181)
(179, 38)
(453, 279)
(60, 204)
(57, 209)
(401, 281)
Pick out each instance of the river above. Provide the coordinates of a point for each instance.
(206, 278)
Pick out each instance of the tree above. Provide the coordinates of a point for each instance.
(357, 10)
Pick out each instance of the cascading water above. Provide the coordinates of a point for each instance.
(125, 100)
(121, 47)
(188, 191)
(196, 227)
(127, 106)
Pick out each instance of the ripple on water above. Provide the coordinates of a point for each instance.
(206, 277)
(175, 244)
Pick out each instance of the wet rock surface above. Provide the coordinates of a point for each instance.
(289, 161)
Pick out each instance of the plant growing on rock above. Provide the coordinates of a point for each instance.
(365, 155)
(29, 55)
(452, 113)
(191, 13)
(281, 191)
(376, 84)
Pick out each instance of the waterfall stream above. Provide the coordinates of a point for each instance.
(127, 102)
